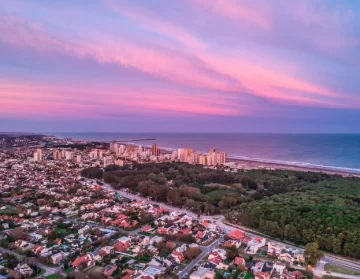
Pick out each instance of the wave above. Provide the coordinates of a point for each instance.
(295, 164)
(272, 161)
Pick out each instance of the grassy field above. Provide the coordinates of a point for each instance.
(8, 211)
(337, 269)
(246, 275)
(39, 274)
(53, 276)
(62, 231)
(69, 270)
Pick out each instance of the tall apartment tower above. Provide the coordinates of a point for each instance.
(38, 155)
(155, 151)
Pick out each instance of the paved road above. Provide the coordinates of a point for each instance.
(337, 261)
(320, 271)
(48, 270)
(205, 251)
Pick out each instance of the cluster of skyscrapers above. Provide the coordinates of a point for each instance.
(118, 153)
(188, 155)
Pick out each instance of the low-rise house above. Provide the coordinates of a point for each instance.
(83, 230)
(254, 245)
(203, 273)
(232, 243)
(279, 267)
(239, 261)
(106, 250)
(178, 257)
(121, 246)
(262, 275)
(217, 258)
(209, 226)
(58, 257)
(86, 260)
(22, 244)
(146, 229)
(292, 275)
(274, 249)
(128, 225)
(163, 230)
(290, 255)
(258, 267)
(24, 270)
(236, 235)
(41, 251)
(152, 272)
(110, 269)
(156, 239)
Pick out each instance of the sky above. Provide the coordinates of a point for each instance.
(180, 66)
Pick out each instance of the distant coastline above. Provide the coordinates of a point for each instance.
(249, 161)
(254, 164)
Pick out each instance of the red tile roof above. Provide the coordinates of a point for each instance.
(237, 235)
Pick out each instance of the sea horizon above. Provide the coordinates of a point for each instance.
(338, 152)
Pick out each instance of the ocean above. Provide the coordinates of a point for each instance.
(331, 151)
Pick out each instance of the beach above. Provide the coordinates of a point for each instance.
(252, 164)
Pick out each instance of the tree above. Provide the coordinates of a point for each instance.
(92, 172)
(192, 253)
(17, 233)
(173, 197)
(312, 254)
(144, 187)
(231, 253)
(189, 203)
(190, 192)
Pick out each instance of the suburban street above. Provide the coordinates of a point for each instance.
(320, 271)
(337, 261)
(205, 251)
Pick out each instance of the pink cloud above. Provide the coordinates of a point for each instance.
(155, 24)
(257, 79)
(198, 68)
(238, 12)
(85, 101)
(163, 64)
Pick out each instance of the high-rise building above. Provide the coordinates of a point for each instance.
(202, 160)
(93, 154)
(174, 156)
(180, 154)
(38, 155)
(108, 160)
(223, 157)
(69, 155)
(185, 156)
(78, 159)
(121, 149)
(57, 155)
(100, 153)
(155, 151)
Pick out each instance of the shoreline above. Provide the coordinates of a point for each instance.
(253, 163)
(250, 164)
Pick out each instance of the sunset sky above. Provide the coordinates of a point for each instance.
(180, 66)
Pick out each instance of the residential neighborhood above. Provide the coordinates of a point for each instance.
(54, 221)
